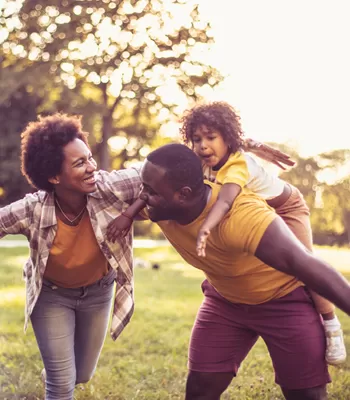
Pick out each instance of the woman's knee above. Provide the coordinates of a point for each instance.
(59, 384)
(84, 377)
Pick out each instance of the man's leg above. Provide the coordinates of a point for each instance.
(215, 385)
(293, 333)
(219, 343)
(316, 393)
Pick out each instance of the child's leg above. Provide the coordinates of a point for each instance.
(296, 215)
(323, 306)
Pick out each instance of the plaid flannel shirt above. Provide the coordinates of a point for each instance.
(34, 216)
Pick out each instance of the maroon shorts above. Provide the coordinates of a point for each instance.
(224, 332)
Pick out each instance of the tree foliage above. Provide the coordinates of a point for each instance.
(327, 198)
(141, 55)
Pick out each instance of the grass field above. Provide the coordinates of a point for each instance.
(149, 360)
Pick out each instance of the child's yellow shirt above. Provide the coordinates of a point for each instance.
(244, 171)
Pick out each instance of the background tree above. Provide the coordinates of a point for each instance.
(14, 114)
(324, 180)
(142, 56)
(335, 187)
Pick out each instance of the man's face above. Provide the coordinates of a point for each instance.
(161, 199)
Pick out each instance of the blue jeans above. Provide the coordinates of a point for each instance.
(70, 326)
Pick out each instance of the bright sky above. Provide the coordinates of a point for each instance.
(289, 68)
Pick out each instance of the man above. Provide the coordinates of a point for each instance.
(255, 270)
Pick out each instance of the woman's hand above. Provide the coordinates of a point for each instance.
(267, 153)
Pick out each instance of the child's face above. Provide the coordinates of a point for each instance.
(209, 146)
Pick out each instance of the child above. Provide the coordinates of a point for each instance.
(216, 136)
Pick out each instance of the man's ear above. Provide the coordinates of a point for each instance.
(54, 180)
(185, 193)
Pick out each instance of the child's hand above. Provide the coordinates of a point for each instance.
(202, 241)
(268, 153)
(119, 227)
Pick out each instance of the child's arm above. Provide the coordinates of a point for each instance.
(267, 153)
(121, 225)
(227, 195)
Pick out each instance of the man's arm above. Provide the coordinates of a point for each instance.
(280, 249)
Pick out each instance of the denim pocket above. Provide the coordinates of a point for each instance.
(109, 278)
(48, 285)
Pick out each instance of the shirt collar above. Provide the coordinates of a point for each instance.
(48, 211)
(96, 194)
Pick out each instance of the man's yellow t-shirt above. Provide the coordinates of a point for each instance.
(230, 265)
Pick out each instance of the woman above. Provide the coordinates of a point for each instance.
(71, 270)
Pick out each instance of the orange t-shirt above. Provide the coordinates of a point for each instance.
(75, 258)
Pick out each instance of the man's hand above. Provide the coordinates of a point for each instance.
(268, 153)
(119, 227)
(202, 242)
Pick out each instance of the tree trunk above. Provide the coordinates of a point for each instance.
(107, 127)
(106, 134)
(346, 214)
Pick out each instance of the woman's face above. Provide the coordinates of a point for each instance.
(78, 168)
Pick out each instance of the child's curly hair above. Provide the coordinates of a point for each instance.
(42, 145)
(218, 116)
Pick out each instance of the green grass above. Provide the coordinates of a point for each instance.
(149, 360)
